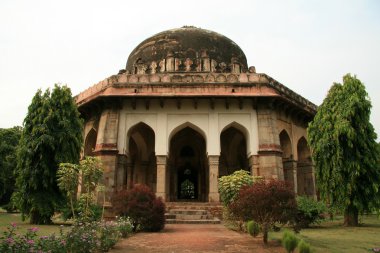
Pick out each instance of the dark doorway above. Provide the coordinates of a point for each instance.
(188, 166)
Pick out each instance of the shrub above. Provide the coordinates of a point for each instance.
(29, 242)
(253, 228)
(141, 205)
(289, 241)
(267, 203)
(309, 211)
(304, 247)
(229, 186)
(109, 235)
(82, 238)
(125, 226)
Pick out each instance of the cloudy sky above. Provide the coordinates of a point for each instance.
(305, 45)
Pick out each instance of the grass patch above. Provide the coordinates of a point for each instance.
(7, 218)
(331, 236)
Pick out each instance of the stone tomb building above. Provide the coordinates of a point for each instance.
(186, 110)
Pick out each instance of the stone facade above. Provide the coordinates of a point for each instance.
(178, 128)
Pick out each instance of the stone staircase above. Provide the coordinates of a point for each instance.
(193, 213)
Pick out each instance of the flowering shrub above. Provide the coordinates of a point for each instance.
(125, 226)
(12, 242)
(109, 235)
(82, 238)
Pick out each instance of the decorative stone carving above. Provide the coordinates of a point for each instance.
(221, 79)
(154, 78)
(153, 67)
(161, 65)
(252, 69)
(214, 64)
(188, 64)
(232, 78)
(210, 78)
(198, 78)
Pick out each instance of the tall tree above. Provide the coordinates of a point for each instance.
(52, 134)
(9, 138)
(344, 150)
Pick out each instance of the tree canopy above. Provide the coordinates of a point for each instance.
(9, 138)
(344, 150)
(52, 134)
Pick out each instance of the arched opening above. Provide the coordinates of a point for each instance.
(287, 157)
(305, 177)
(90, 143)
(142, 160)
(187, 166)
(233, 155)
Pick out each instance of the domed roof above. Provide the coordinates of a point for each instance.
(187, 49)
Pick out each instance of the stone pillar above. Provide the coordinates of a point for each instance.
(213, 194)
(121, 172)
(253, 162)
(106, 149)
(129, 168)
(270, 152)
(162, 182)
(294, 172)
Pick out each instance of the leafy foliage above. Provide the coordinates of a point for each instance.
(229, 186)
(253, 228)
(289, 241)
(9, 139)
(345, 153)
(304, 247)
(91, 171)
(309, 211)
(52, 134)
(266, 203)
(141, 205)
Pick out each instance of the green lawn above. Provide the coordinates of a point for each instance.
(331, 236)
(7, 218)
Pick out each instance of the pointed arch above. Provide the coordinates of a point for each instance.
(287, 158)
(141, 152)
(305, 174)
(183, 126)
(90, 143)
(233, 149)
(187, 164)
(286, 145)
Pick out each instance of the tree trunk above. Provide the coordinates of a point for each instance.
(37, 219)
(351, 215)
(265, 233)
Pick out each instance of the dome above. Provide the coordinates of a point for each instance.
(187, 49)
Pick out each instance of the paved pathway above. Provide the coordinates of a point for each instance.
(194, 238)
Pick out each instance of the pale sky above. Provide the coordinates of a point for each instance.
(305, 45)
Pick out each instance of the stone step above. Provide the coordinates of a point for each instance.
(208, 221)
(191, 217)
(187, 211)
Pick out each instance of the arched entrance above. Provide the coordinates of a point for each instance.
(305, 177)
(287, 157)
(233, 155)
(188, 166)
(90, 143)
(142, 159)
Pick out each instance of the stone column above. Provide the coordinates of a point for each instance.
(213, 194)
(121, 172)
(253, 162)
(106, 149)
(161, 177)
(129, 166)
(294, 172)
(269, 143)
